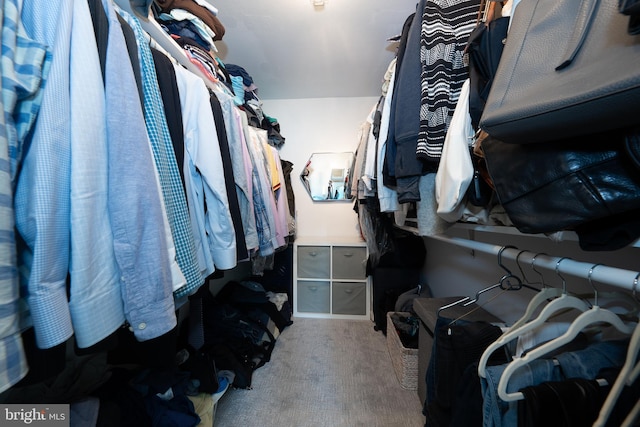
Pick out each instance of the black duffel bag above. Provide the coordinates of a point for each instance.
(569, 184)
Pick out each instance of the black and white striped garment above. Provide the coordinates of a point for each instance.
(446, 25)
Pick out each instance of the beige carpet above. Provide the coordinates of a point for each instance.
(324, 373)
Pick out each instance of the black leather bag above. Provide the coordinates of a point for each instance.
(560, 186)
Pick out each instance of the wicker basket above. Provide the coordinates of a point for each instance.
(405, 360)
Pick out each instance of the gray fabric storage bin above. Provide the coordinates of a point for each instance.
(349, 262)
(349, 298)
(313, 296)
(313, 262)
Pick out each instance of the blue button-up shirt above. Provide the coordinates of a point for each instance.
(172, 189)
(135, 202)
(42, 205)
(95, 297)
(204, 171)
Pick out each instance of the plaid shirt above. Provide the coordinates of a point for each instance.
(23, 66)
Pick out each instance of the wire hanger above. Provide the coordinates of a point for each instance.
(505, 283)
(466, 301)
(562, 302)
(595, 314)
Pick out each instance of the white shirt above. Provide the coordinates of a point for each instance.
(204, 171)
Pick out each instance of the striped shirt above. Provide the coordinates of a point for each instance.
(446, 25)
(23, 67)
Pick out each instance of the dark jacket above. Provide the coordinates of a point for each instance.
(404, 121)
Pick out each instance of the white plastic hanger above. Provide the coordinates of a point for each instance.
(632, 417)
(564, 301)
(627, 376)
(593, 315)
(155, 31)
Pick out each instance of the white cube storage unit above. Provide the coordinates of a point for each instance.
(330, 278)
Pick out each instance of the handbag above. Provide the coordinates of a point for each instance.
(484, 50)
(568, 68)
(552, 187)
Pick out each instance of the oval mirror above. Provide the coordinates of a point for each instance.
(326, 176)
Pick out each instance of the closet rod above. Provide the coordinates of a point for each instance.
(601, 274)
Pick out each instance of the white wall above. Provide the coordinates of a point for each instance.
(319, 125)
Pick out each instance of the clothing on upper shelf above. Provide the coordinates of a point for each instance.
(205, 14)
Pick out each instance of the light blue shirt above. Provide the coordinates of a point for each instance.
(204, 172)
(135, 202)
(42, 204)
(233, 127)
(173, 193)
(95, 300)
(23, 67)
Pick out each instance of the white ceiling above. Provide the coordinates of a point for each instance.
(293, 50)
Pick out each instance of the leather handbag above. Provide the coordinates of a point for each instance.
(552, 187)
(568, 68)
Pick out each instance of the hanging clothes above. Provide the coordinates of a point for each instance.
(173, 194)
(456, 345)
(585, 363)
(403, 167)
(241, 166)
(229, 176)
(208, 193)
(93, 271)
(23, 67)
(149, 271)
(42, 205)
(446, 26)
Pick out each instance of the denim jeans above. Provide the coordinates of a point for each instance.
(584, 363)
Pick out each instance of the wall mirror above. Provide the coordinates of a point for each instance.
(326, 176)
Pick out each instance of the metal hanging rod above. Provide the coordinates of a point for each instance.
(619, 277)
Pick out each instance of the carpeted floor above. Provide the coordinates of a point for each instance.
(324, 373)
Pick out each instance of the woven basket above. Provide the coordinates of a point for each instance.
(405, 360)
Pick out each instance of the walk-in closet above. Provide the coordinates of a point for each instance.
(320, 213)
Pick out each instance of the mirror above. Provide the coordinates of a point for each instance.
(326, 176)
